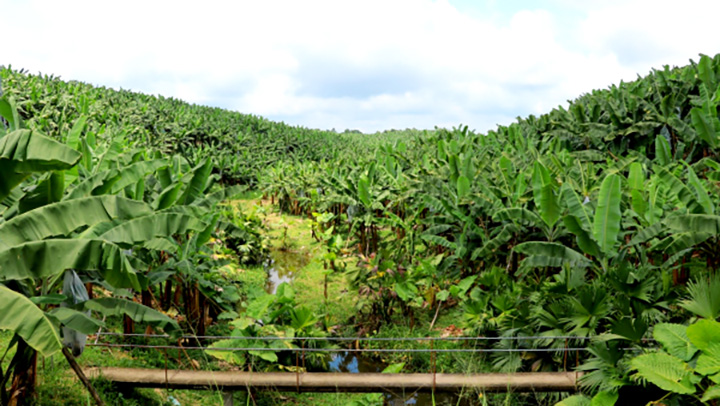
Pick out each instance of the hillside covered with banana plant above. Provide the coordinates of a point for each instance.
(593, 226)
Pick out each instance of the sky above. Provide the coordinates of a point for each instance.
(368, 65)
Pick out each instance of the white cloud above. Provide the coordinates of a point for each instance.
(369, 65)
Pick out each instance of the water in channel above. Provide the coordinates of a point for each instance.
(355, 362)
(281, 267)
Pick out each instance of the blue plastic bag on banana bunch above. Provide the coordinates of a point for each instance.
(75, 291)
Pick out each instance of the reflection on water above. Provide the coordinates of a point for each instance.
(356, 362)
(281, 267)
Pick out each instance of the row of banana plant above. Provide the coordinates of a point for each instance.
(239, 145)
(594, 217)
(87, 210)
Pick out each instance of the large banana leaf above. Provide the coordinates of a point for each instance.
(49, 190)
(149, 227)
(25, 319)
(23, 152)
(139, 313)
(582, 236)
(606, 225)
(64, 217)
(694, 223)
(553, 254)
(680, 191)
(581, 211)
(197, 184)
(544, 195)
(40, 259)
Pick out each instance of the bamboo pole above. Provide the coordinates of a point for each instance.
(79, 372)
(338, 382)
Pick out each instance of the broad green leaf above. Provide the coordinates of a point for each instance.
(663, 155)
(552, 250)
(694, 223)
(363, 188)
(582, 212)
(146, 228)
(257, 308)
(233, 357)
(713, 392)
(40, 259)
(544, 195)
(139, 313)
(704, 126)
(49, 190)
(709, 361)
(24, 152)
(168, 196)
(463, 186)
(582, 236)
(679, 190)
(406, 290)
(129, 175)
(198, 183)
(64, 217)
(704, 333)
(700, 191)
(76, 320)
(72, 139)
(393, 368)
(665, 371)
(606, 225)
(604, 398)
(706, 72)
(575, 400)
(29, 322)
(8, 110)
(518, 215)
(636, 177)
(674, 339)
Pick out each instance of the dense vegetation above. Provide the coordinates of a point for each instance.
(598, 221)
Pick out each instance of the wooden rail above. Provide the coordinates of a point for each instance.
(336, 381)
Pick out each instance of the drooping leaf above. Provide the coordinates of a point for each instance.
(64, 217)
(582, 236)
(29, 322)
(146, 228)
(23, 152)
(76, 320)
(556, 252)
(139, 313)
(40, 259)
(680, 191)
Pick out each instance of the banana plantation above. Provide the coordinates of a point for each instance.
(136, 220)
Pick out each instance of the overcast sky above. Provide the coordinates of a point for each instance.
(368, 65)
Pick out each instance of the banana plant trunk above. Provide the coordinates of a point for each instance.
(24, 375)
